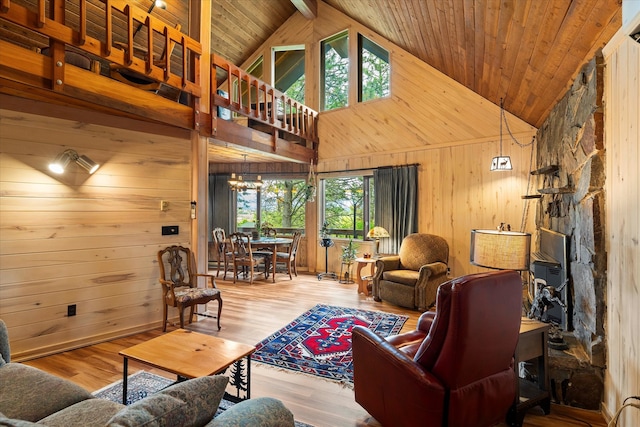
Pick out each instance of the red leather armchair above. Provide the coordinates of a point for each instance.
(456, 368)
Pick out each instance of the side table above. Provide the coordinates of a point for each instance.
(360, 280)
(532, 347)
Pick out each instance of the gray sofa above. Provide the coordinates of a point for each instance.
(31, 397)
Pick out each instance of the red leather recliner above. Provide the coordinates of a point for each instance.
(456, 369)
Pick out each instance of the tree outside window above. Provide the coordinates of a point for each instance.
(335, 71)
(348, 205)
(281, 202)
(373, 70)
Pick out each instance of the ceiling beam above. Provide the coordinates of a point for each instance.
(308, 8)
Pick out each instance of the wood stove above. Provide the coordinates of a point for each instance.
(549, 284)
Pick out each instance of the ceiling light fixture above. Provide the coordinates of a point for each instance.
(501, 163)
(238, 183)
(63, 159)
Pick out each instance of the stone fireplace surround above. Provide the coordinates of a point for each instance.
(573, 203)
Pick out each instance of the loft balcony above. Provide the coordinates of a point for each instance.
(113, 57)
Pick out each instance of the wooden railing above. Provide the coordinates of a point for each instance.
(250, 97)
(53, 26)
(108, 38)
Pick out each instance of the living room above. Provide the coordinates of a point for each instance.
(91, 240)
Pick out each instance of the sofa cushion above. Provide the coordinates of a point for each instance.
(154, 411)
(8, 422)
(260, 412)
(192, 402)
(30, 394)
(88, 413)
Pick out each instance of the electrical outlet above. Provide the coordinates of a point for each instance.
(448, 271)
(71, 310)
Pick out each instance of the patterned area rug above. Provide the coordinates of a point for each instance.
(319, 341)
(142, 384)
(139, 385)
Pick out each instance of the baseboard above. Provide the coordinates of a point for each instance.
(74, 344)
(606, 414)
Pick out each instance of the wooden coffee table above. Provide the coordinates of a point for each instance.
(189, 355)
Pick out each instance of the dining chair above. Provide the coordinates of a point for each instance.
(269, 232)
(224, 256)
(178, 277)
(288, 259)
(244, 261)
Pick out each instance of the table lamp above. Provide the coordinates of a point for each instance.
(376, 233)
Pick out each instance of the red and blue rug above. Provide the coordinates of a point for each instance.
(319, 341)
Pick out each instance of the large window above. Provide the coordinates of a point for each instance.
(348, 205)
(281, 205)
(373, 70)
(289, 71)
(335, 71)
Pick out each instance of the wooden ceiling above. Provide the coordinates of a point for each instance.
(525, 51)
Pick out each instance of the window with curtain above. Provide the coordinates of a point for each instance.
(347, 205)
(280, 204)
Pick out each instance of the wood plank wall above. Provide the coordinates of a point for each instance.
(429, 119)
(622, 139)
(88, 240)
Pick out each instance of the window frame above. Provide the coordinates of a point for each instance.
(361, 46)
(367, 218)
(323, 70)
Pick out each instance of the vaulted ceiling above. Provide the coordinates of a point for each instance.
(525, 51)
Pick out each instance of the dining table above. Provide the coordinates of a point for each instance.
(270, 244)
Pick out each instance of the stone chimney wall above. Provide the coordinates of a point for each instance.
(572, 138)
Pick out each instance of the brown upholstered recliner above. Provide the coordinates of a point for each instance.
(411, 278)
(456, 369)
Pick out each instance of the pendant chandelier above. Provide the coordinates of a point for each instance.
(501, 163)
(240, 183)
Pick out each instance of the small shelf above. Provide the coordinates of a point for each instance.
(562, 190)
(546, 170)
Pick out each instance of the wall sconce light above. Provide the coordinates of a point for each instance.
(62, 161)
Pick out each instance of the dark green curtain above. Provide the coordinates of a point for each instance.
(396, 201)
(220, 204)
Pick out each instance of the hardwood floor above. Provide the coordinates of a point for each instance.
(252, 312)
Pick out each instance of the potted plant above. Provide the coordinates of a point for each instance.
(348, 255)
(325, 240)
(349, 252)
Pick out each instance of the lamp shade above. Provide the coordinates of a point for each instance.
(501, 163)
(377, 232)
(502, 250)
